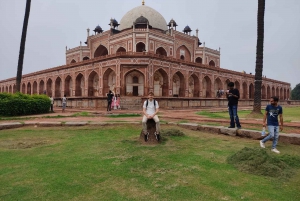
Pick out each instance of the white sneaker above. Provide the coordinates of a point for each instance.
(275, 150)
(262, 145)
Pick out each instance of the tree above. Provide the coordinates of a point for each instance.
(295, 95)
(259, 57)
(22, 46)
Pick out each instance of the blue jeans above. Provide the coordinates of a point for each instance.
(233, 116)
(273, 133)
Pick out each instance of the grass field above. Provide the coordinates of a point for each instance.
(289, 114)
(109, 163)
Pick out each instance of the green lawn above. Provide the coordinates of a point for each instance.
(289, 114)
(108, 163)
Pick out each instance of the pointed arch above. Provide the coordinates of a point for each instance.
(268, 92)
(73, 61)
(109, 80)
(194, 86)
(161, 51)
(237, 85)
(245, 91)
(277, 93)
(14, 88)
(273, 91)
(251, 91)
(140, 47)
(120, 50)
(10, 89)
(79, 85)
(161, 83)
(263, 92)
(212, 63)
(93, 84)
(198, 60)
(23, 88)
(183, 51)
(85, 58)
(101, 51)
(178, 84)
(134, 83)
(58, 87)
(68, 86)
(34, 87)
(206, 90)
(218, 85)
(41, 87)
(288, 93)
(281, 94)
(49, 87)
(284, 94)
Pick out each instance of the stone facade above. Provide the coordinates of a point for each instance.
(131, 61)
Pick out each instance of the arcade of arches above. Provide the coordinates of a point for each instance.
(164, 85)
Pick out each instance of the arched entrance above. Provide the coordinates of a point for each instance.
(281, 94)
(79, 85)
(49, 87)
(29, 88)
(85, 58)
(237, 86)
(245, 90)
(10, 89)
(268, 92)
(93, 84)
(251, 91)
(161, 51)
(68, 86)
(178, 85)
(109, 81)
(73, 61)
(273, 92)
(194, 86)
(34, 87)
(284, 93)
(23, 88)
(206, 90)
(58, 87)
(263, 92)
(41, 87)
(218, 86)
(140, 47)
(198, 60)
(14, 89)
(134, 83)
(100, 51)
(212, 63)
(183, 53)
(161, 83)
(121, 49)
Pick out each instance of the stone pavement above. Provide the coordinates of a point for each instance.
(100, 117)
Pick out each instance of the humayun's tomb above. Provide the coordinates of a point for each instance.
(143, 53)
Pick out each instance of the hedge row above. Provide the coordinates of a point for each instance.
(23, 104)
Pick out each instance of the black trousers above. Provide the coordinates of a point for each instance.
(108, 105)
(51, 107)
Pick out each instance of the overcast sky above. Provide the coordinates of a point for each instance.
(229, 24)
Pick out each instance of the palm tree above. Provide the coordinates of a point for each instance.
(259, 57)
(22, 46)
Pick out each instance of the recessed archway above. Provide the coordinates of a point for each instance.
(198, 60)
(68, 86)
(263, 92)
(23, 88)
(194, 86)
(134, 83)
(93, 84)
(79, 85)
(109, 81)
(34, 88)
(183, 51)
(58, 87)
(121, 49)
(206, 90)
(49, 87)
(9, 89)
(212, 63)
(101, 51)
(218, 85)
(245, 91)
(161, 51)
(161, 83)
(42, 87)
(178, 84)
(73, 61)
(251, 91)
(268, 92)
(140, 47)
(85, 58)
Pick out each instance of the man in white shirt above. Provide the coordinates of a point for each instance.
(150, 109)
(64, 103)
(52, 102)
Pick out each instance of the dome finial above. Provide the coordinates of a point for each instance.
(143, 3)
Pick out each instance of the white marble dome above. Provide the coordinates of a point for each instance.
(156, 20)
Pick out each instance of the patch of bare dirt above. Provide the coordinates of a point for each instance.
(25, 143)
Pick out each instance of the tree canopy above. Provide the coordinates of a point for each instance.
(296, 93)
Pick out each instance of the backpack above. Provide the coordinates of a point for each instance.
(154, 103)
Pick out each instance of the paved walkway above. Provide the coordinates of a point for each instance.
(186, 115)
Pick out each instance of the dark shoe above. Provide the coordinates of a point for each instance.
(231, 127)
(146, 137)
(157, 136)
(239, 127)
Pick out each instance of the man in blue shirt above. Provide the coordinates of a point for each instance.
(272, 112)
(233, 96)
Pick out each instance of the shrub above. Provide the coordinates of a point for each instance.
(172, 132)
(23, 104)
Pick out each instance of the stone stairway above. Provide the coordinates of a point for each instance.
(131, 103)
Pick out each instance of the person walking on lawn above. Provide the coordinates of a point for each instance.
(233, 96)
(150, 110)
(271, 115)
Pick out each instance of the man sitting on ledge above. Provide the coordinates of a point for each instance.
(150, 109)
